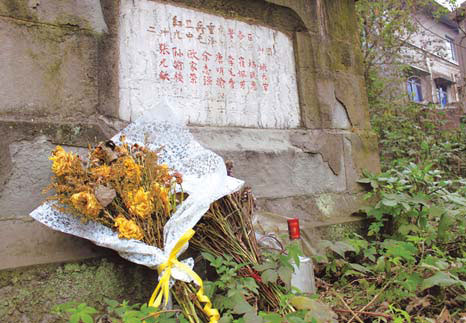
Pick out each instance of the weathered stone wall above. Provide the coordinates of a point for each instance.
(60, 85)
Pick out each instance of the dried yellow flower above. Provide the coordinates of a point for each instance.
(101, 171)
(140, 203)
(132, 170)
(128, 228)
(62, 161)
(161, 193)
(86, 203)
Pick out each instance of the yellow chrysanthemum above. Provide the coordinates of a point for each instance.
(62, 161)
(86, 203)
(101, 171)
(132, 170)
(128, 228)
(161, 193)
(140, 203)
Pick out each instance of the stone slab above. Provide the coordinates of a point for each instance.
(84, 14)
(30, 174)
(275, 163)
(26, 242)
(46, 70)
(317, 210)
(211, 70)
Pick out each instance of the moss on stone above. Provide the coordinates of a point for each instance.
(73, 21)
(16, 8)
(342, 230)
(29, 294)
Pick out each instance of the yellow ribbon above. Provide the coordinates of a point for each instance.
(163, 286)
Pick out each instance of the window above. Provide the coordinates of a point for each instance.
(414, 89)
(451, 48)
(442, 95)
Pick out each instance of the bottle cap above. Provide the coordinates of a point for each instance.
(293, 229)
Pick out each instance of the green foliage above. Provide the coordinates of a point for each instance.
(414, 256)
(116, 313)
(413, 133)
(234, 291)
(416, 200)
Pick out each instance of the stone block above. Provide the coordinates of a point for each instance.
(47, 70)
(343, 25)
(308, 99)
(316, 210)
(24, 241)
(361, 153)
(328, 145)
(109, 98)
(304, 9)
(83, 14)
(29, 175)
(350, 90)
(5, 163)
(276, 165)
(304, 50)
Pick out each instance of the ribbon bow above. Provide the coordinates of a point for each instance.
(163, 286)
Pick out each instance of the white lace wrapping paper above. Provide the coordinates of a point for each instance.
(204, 179)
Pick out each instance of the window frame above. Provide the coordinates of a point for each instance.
(442, 89)
(415, 83)
(451, 42)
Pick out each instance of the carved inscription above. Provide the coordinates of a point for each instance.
(210, 70)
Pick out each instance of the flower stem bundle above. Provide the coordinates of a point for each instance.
(227, 229)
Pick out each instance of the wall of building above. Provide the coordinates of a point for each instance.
(431, 55)
(61, 85)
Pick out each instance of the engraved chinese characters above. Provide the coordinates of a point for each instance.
(211, 70)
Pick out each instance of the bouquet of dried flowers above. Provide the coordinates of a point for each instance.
(124, 198)
(121, 186)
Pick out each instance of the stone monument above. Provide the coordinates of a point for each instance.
(276, 86)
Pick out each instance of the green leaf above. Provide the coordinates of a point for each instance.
(209, 288)
(207, 256)
(446, 221)
(285, 275)
(402, 249)
(111, 302)
(271, 317)
(250, 283)
(294, 250)
(265, 266)
(74, 318)
(269, 276)
(251, 317)
(390, 203)
(242, 307)
(436, 211)
(412, 282)
(85, 318)
(341, 247)
(439, 279)
(293, 318)
(226, 318)
(302, 303)
(317, 310)
(360, 268)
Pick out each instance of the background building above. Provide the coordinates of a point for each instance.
(434, 55)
